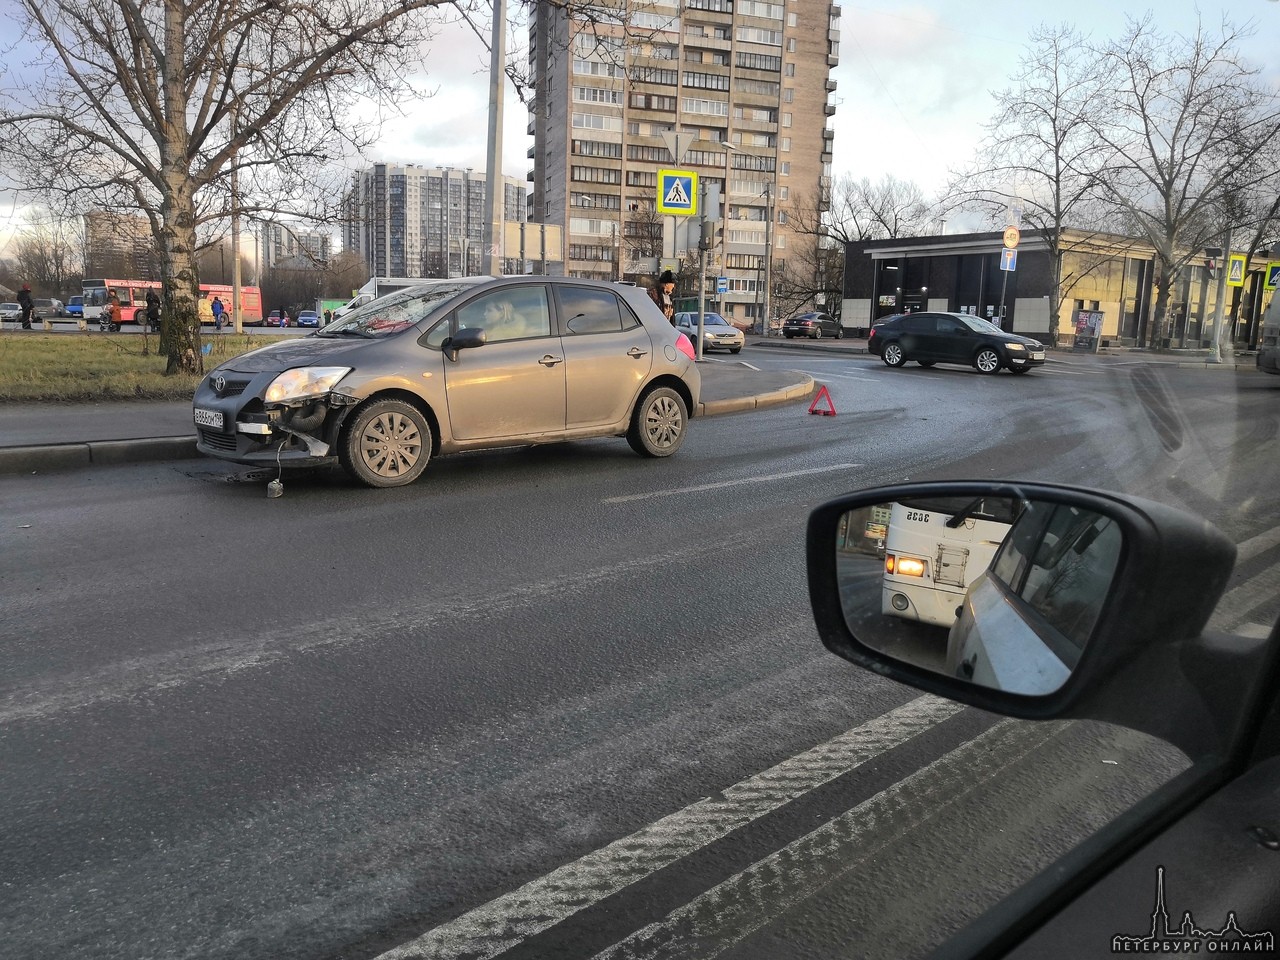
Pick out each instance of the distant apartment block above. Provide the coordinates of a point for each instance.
(120, 246)
(283, 242)
(741, 88)
(417, 221)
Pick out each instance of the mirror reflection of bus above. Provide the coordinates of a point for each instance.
(1034, 578)
(935, 548)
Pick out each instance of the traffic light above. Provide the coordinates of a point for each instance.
(710, 235)
(1211, 260)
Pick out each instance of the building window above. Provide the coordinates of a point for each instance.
(759, 61)
(786, 119)
(790, 70)
(786, 144)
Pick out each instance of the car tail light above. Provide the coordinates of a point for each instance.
(872, 333)
(684, 345)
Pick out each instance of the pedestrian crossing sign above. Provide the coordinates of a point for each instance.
(1235, 270)
(678, 192)
(1273, 275)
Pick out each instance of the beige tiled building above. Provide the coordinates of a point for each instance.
(741, 89)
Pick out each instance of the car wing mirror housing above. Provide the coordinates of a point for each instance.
(462, 340)
(1038, 601)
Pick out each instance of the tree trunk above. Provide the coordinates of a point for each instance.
(1055, 293)
(1164, 280)
(181, 337)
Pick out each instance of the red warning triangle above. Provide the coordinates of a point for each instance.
(823, 395)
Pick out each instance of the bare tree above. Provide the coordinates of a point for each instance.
(1038, 165)
(169, 102)
(47, 255)
(866, 210)
(1183, 120)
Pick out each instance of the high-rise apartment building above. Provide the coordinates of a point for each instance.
(416, 221)
(285, 242)
(119, 245)
(741, 89)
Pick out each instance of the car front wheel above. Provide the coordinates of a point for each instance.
(987, 360)
(892, 355)
(840, 333)
(387, 444)
(658, 423)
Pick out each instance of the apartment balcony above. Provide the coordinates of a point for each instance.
(833, 59)
(831, 85)
(828, 108)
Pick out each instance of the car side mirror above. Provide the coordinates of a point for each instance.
(1042, 601)
(465, 338)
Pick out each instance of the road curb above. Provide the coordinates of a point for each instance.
(773, 398)
(48, 457)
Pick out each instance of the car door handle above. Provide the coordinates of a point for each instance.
(635, 353)
(550, 361)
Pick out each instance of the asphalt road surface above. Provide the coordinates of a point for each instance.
(558, 701)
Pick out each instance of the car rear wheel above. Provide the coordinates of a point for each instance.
(987, 360)
(892, 355)
(658, 423)
(817, 333)
(386, 444)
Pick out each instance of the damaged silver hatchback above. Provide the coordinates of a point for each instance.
(456, 365)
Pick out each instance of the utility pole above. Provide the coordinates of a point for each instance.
(1216, 355)
(494, 187)
(768, 250)
(702, 265)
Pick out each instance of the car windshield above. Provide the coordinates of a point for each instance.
(978, 325)
(397, 311)
(710, 320)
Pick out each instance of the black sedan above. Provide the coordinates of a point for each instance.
(930, 338)
(813, 325)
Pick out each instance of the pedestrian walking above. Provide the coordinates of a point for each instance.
(328, 316)
(153, 309)
(218, 310)
(27, 305)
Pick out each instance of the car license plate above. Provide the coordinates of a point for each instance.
(208, 418)
(1038, 356)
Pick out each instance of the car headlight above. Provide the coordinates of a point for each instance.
(1015, 346)
(304, 382)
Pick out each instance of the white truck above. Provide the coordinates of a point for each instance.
(376, 287)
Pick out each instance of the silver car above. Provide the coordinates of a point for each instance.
(456, 365)
(717, 332)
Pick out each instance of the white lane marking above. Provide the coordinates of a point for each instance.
(1256, 545)
(824, 377)
(729, 912)
(630, 498)
(507, 920)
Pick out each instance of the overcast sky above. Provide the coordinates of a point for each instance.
(914, 82)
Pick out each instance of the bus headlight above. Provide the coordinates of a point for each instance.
(910, 567)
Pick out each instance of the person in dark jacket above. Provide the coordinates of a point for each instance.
(27, 305)
(153, 309)
(663, 294)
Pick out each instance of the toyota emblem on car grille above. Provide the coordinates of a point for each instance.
(219, 383)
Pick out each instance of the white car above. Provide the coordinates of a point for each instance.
(10, 311)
